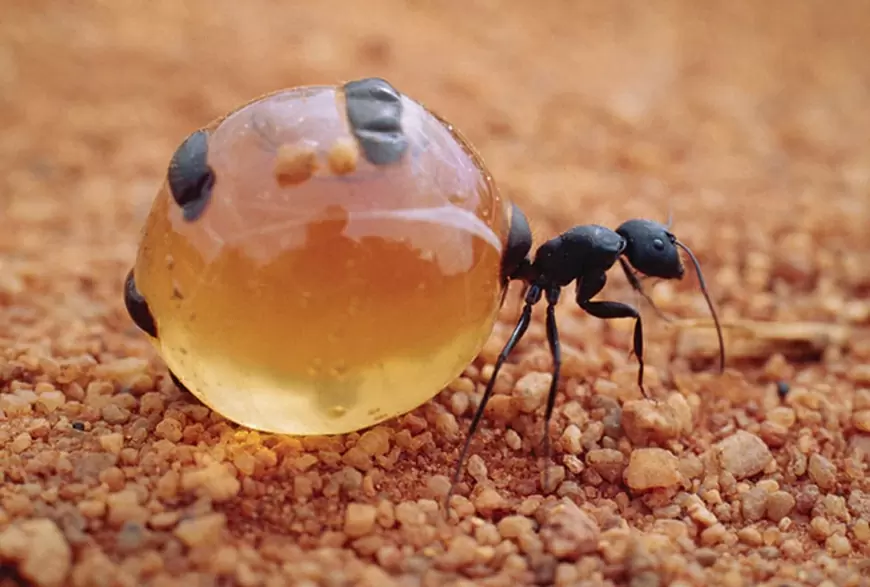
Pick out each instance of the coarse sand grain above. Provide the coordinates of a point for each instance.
(748, 121)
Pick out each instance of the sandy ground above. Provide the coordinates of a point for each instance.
(749, 122)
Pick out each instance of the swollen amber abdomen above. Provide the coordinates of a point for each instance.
(319, 289)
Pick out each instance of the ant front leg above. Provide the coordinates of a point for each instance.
(638, 287)
(556, 354)
(588, 287)
(533, 296)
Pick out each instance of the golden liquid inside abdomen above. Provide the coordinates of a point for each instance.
(334, 303)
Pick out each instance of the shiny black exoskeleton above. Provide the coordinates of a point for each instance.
(583, 255)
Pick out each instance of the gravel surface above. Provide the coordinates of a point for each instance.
(748, 122)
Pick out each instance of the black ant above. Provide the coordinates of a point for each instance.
(584, 254)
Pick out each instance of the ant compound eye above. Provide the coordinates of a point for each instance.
(658, 244)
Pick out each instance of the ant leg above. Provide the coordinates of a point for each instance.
(556, 353)
(587, 288)
(523, 273)
(532, 297)
(638, 287)
(524, 292)
(608, 310)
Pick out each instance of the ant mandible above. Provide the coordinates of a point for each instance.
(584, 254)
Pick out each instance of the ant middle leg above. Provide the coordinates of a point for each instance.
(587, 288)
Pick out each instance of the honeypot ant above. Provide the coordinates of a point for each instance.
(372, 118)
(584, 254)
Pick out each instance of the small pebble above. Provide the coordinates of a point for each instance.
(822, 471)
(112, 443)
(750, 536)
(515, 526)
(743, 454)
(375, 442)
(706, 556)
(644, 421)
(513, 440)
(861, 529)
(792, 548)
(713, 535)
(488, 501)
(213, 481)
(51, 400)
(608, 463)
(699, 513)
(567, 531)
(754, 504)
(651, 468)
(531, 391)
(39, 549)
(783, 416)
(779, 505)
(21, 443)
(551, 478)
(838, 545)
(820, 528)
(359, 519)
(438, 485)
(124, 507)
(409, 513)
(572, 440)
(169, 429)
(476, 467)
(201, 531)
(92, 508)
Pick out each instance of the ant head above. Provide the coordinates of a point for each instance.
(652, 249)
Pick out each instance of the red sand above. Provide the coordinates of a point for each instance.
(749, 122)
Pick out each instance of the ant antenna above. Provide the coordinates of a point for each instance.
(709, 303)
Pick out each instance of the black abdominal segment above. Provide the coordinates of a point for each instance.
(518, 245)
(190, 178)
(137, 307)
(374, 110)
